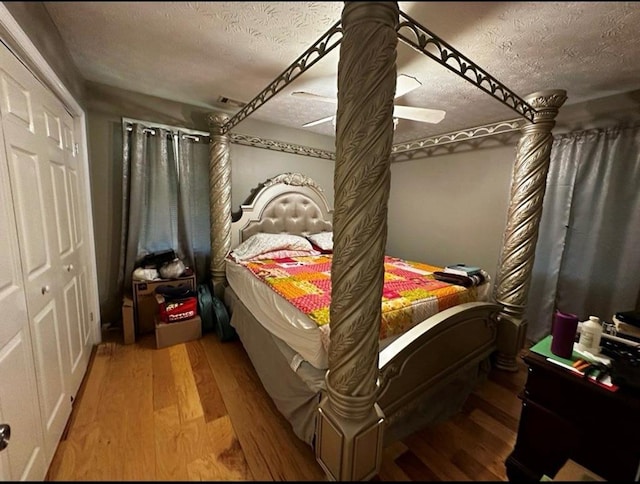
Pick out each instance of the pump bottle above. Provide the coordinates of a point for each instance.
(590, 335)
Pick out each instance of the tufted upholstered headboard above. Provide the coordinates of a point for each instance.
(288, 203)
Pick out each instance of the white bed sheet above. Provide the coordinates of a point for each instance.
(278, 315)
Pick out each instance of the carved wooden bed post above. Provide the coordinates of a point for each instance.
(350, 424)
(528, 185)
(219, 199)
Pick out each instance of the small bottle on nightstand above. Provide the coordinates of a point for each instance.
(590, 335)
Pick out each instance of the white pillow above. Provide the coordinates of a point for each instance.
(322, 240)
(262, 243)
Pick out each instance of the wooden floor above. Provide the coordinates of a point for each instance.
(197, 411)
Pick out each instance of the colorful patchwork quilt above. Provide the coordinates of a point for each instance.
(410, 294)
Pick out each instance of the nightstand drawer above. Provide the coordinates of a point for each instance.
(567, 417)
(583, 402)
(545, 441)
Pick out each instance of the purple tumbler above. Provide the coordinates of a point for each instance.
(563, 333)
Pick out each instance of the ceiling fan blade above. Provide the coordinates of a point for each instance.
(317, 121)
(313, 97)
(424, 115)
(405, 84)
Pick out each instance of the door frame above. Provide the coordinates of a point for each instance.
(25, 50)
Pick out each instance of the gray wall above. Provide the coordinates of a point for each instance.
(250, 166)
(451, 208)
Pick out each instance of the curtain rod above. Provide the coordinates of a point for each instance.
(190, 133)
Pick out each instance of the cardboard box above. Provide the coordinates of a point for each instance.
(572, 471)
(144, 300)
(128, 323)
(168, 334)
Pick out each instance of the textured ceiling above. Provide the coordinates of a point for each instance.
(197, 52)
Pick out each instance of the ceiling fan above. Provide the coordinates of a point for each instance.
(404, 84)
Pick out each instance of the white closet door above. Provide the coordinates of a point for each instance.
(29, 126)
(24, 457)
(68, 225)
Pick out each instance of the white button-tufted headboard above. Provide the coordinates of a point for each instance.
(289, 203)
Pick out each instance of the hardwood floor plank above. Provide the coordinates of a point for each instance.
(414, 468)
(170, 464)
(488, 438)
(438, 462)
(492, 425)
(502, 398)
(394, 449)
(194, 442)
(472, 467)
(92, 390)
(137, 428)
(389, 471)
(225, 460)
(108, 454)
(221, 368)
(164, 389)
(474, 401)
(189, 406)
(210, 397)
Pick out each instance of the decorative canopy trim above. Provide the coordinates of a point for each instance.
(330, 40)
(444, 54)
(269, 144)
(426, 145)
(399, 152)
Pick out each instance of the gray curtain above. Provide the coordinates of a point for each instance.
(163, 207)
(587, 258)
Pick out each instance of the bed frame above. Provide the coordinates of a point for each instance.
(434, 354)
(368, 392)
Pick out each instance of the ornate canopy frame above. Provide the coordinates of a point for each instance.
(368, 34)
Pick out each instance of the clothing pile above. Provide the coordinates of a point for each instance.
(160, 265)
(462, 275)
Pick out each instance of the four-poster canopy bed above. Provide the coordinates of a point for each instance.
(369, 391)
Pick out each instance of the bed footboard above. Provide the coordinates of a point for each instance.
(434, 350)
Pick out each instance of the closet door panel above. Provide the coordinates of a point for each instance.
(30, 127)
(16, 102)
(61, 205)
(24, 457)
(55, 404)
(26, 181)
(69, 227)
(74, 329)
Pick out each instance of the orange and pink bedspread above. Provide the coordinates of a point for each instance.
(410, 292)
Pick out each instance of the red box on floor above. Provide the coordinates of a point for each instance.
(169, 334)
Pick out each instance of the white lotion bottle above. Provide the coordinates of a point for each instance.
(590, 335)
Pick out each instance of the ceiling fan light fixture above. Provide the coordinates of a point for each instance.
(404, 85)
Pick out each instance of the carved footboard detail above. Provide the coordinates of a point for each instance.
(434, 349)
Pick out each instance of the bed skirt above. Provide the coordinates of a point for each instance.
(296, 393)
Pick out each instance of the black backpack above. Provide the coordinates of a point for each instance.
(214, 314)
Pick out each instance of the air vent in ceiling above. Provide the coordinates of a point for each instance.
(230, 102)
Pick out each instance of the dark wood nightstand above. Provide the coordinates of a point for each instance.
(567, 417)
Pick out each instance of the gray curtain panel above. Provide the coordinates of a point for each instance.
(165, 199)
(587, 258)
